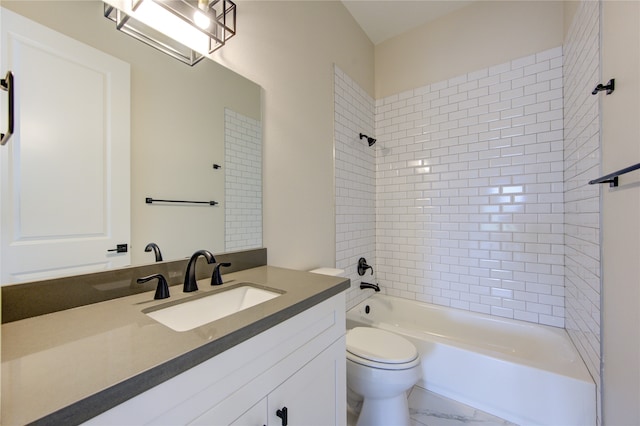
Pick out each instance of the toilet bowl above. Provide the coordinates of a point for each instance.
(381, 368)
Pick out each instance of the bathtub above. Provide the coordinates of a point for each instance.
(522, 372)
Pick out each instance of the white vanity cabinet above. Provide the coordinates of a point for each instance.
(256, 415)
(298, 364)
(308, 397)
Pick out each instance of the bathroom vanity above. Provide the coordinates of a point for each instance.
(110, 363)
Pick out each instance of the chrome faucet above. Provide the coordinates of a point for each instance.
(156, 251)
(190, 283)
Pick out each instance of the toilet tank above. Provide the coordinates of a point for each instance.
(329, 271)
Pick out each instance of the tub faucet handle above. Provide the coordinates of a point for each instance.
(362, 266)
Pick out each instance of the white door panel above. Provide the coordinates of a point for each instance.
(65, 172)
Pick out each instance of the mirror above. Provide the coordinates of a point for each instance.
(178, 119)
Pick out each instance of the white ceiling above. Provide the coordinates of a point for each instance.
(384, 19)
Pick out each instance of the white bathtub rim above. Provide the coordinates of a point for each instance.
(574, 367)
(574, 370)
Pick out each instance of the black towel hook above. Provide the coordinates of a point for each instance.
(610, 87)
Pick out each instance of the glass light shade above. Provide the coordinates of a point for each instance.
(185, 32)
(166, 24)
(151, 36)
(201, 20)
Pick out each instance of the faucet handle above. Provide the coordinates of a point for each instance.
(362, 266)
(216, 278)
(162, 290)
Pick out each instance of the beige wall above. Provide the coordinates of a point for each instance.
(289, 49)
(621, 215)
(483, 34)
(569, 11)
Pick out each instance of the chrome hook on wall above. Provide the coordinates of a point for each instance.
(610, 87)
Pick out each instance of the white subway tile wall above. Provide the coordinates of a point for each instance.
(355, 183)
(582, 201)
(242, 181)
(469, 191)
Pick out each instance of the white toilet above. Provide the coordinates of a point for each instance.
(381, 367)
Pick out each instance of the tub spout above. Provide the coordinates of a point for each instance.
(364, 285)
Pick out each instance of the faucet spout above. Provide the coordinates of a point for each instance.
(156, 251)
(190, 283)
(364, 285)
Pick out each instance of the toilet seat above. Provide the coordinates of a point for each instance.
(381, 349)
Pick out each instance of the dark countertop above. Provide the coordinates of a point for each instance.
(66, 367)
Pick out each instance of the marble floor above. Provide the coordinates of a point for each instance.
(430, 409)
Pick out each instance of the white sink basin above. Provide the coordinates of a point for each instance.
(189, 315)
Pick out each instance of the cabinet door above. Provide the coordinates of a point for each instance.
(313, 394)
(254, 416)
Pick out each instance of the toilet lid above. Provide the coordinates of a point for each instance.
(380, 346)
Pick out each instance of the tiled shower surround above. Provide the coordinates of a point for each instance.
(355, 183)
(242, 181)
(469, 191)
(481, 201)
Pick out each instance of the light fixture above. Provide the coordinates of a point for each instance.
(200, 16)
(185, 29)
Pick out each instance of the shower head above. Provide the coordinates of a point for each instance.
(370, 140)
